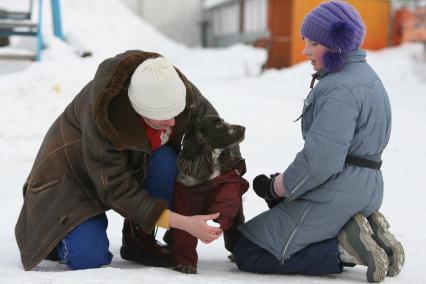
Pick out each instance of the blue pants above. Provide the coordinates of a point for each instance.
(87, 245)
(315, 259)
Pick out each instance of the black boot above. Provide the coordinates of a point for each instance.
(143, 248)
(264, 188)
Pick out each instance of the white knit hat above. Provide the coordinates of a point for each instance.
(156, 91)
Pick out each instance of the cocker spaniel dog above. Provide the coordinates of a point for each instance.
(209, 181)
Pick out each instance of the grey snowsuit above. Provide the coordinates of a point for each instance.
(346, 113)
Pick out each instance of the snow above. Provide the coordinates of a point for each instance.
(34, 94)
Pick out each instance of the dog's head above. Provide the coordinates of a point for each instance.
(206, 149)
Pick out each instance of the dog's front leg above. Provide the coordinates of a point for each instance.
(184, 244)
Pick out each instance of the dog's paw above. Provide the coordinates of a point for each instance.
(185, 268)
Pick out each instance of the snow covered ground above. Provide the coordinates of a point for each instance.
(32, 95)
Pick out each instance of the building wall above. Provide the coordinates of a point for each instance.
(236, 21)
(275, 25)
(281, 25)
(223, 24)
(180, 20)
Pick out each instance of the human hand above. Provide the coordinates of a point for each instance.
(198, 227)
(264, 187)
(261, 184)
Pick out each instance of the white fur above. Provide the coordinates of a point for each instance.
(216, 167)
(186, 180)
(190, 181)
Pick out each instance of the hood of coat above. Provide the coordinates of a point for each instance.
(113, 113)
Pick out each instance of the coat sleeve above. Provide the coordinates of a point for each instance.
(227, 198)
(326, 144)
(117, 187)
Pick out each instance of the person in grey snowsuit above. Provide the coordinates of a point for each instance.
(346, 125)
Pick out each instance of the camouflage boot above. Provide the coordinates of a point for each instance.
(386, 240)
(355, 240)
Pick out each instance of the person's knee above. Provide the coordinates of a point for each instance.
(165, 157)
(162, 172)
(98, 255)
(252, 258)
(242, 255)
(87, 246)
(244, 264)
(236, 253)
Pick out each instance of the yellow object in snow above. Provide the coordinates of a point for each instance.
(57, 88)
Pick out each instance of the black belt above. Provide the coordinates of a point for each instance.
(363, 163)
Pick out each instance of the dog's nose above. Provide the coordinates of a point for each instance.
(237, 129)
(241, 128)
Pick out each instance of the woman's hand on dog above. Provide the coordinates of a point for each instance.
(197, 226)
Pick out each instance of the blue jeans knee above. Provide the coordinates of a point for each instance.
(87, 245)
(161, 174)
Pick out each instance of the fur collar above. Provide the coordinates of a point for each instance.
(113, 113)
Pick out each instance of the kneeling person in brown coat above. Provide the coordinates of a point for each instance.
(111, 148)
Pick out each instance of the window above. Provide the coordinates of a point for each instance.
(255, 16)
(226, 19)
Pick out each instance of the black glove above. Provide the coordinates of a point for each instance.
(264, 188)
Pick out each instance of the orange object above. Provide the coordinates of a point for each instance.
(419, 25)
(285, 17)
(409, 26)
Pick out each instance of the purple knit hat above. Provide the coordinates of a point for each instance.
(337, 25)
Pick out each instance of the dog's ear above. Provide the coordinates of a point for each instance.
(189, 146)
(195, 158)
(226, 160)
(197, 124)
(229, 160)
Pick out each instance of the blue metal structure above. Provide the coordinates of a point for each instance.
(39, 35)
(19, 23)
(57, 22)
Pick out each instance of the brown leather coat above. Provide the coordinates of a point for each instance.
(94, 158)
